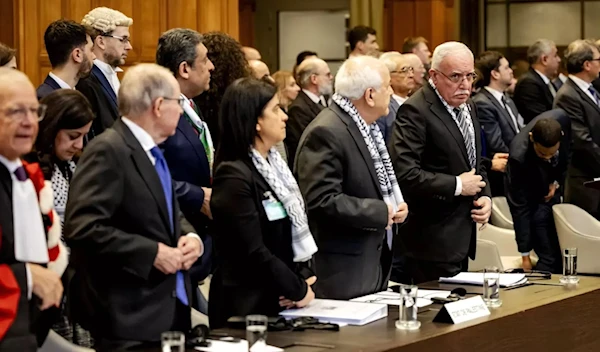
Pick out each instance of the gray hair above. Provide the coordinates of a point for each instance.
(357, 75)
(577, 53)
(448, 49)
(538, 49)
(306, 69)
(141, 86)
(390, 60)
(177, 45)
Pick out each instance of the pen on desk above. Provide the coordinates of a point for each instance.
(310, 344)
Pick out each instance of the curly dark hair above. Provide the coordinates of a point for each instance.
(230, 64)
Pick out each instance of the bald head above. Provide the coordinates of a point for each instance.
(251, 53)
(259, 69)
(309, 67)
(418, 67)
(19, 114)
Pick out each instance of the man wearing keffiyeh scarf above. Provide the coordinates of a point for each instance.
(346, 176)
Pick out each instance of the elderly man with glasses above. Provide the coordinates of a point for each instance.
(436, 152)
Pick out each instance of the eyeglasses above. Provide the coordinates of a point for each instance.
(180, 100)
(457, 77)
(21, 113)
(405, 69)
(124, 40)
(328, 74)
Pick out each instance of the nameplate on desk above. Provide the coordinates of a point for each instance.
(462, 311)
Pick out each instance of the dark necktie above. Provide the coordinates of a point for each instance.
(464, 130)
(510, 112)
(21, 174)
(165, 180)
(594, 94)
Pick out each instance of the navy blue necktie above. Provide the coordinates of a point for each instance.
(165, 180)
(21, 174)
(594, 94)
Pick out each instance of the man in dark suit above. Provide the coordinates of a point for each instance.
(346, 176)
(109, 31)
(497, 113)
(315, 79)
(27, 286)
(190, 153)
(70, 53)
(537, 166)
(581, 101)
(436, 151)
(534, 92)
(127, 246)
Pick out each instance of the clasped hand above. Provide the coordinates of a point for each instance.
(170, 260)
(308, 297)
(397, 217)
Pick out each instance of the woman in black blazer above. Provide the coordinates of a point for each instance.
(262, 240)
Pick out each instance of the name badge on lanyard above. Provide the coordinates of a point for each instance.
(273, 207)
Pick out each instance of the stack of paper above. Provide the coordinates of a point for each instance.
(506, 280)
(393, 298)
(241, 346)
(340, 312)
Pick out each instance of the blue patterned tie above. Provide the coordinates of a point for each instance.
(165, 180)
(594, 94)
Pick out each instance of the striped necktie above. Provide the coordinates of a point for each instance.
(463, 125)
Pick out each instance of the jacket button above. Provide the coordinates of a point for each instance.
(174, 294)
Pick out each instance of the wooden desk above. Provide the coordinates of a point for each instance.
(532, 318)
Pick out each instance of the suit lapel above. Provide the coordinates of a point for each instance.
(438, 108)
(314, 107)
(187, 131)
(105, 84)
(146, 170)
(540, 80)
(360, 143)
(501, 108)
(51, 82)
(583, 95)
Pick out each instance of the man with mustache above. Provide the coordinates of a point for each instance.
(70, 53)
(436, 152)
(109, 30)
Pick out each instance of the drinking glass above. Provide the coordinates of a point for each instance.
(408, 308)
(172, 341)
(256, 332)
(491, 287)
(569, 267)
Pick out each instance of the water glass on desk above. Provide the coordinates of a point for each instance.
(408, 308)
(491, 287)
(569, 267)
(172, 341)
(256, 332)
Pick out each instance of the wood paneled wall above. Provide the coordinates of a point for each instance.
(433, 19)
(150, 19)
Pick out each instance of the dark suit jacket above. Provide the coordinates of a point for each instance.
(103, 100)
(116, 216)
(532, 95)
(345, 207)
(190, 170)
(585, 158)
(301, 112)
(428, 152)
(255, 255)
(49, 86)
(497, 124)
(528, 178)
(386, 123)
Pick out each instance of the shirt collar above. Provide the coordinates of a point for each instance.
(496, 93)
(140, 134)
(11, 165)
(449, 107)
(546, 79)
(316, 99)
(562, 77)
(400, 100)
(580, 83)
(107, 69)
(60, 82)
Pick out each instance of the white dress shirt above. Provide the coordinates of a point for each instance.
(499, 95)
(584, 86)
(315, 98)
(60, 82)
(111, 74)
(147, 143)
(400, 100)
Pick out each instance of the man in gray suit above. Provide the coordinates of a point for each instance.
(402, 82)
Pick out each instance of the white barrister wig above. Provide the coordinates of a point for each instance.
(105, 20)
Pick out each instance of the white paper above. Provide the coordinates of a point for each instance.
(393, 298)
(241, 346)
(467, 309)
(506, 280)
(333, 311)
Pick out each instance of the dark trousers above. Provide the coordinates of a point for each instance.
(420, 271)
(544, 239)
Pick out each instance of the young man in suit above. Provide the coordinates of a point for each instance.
(536, 168)
(29, 289)
(70, 53)
(345, 174)
(436, 151)
(109, 31)
(315, 79)
(534, 92)
(363, 41)
(190, 153)
(498, 114)
(127, 246)
(581, 101)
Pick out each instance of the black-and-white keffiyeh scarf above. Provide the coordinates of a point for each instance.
(279, 177)
(60, 188)
(379, 153)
